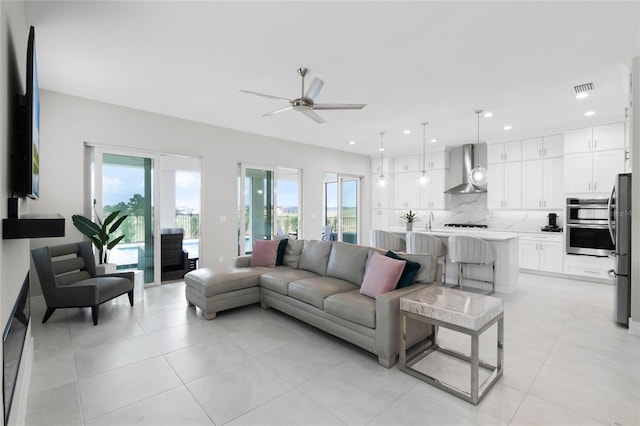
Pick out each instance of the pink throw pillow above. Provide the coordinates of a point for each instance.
(264, 253)
(382, 275)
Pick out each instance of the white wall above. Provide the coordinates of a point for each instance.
(67, 122)
(14, 254)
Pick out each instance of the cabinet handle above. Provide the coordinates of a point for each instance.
(539, 153)
(544, 152)
(595, 186)
(589, 186)
(544, 203)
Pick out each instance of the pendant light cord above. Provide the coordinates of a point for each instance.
(424, 147)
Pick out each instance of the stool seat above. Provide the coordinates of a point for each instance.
(464, 250)
(420, 243)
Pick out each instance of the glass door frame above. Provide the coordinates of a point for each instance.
(93, 181)
(242, 175)
(340, 179)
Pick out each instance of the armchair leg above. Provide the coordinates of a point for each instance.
(48, 314)
(130, 294)
(94, 314)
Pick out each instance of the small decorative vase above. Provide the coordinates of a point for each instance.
(409, 226)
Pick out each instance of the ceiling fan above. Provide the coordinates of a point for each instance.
(305, 103)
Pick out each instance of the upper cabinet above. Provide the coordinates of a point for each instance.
(545, 147)
(435, 160)
(410, 163)
(504, 152)
(600, 138)
(379, 166)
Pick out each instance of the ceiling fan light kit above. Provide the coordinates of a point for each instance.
(306, 102)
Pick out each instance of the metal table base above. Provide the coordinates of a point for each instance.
(410, 356)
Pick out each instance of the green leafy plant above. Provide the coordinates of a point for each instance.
(409, 217)
(100, 233)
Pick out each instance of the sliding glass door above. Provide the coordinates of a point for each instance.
(341, 207)
(125, 183)
(269, 205)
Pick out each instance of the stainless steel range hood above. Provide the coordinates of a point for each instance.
(466, 187)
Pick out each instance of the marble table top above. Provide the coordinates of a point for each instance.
(468, 310)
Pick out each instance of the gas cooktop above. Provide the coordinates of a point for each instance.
(465, 225)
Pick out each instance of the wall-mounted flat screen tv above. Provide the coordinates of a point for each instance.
(26, 174)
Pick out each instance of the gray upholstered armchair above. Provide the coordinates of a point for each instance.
(68, 279)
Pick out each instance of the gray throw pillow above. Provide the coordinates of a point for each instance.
(292, 253)
(315, 256)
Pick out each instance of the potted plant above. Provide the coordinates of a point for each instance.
(101, 234)
(409, 218)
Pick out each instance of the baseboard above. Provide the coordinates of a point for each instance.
(634, 327)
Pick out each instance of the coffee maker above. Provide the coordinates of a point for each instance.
(553, 224)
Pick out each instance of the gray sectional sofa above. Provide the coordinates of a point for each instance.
(318, 283)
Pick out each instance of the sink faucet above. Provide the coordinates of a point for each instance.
(431, 218)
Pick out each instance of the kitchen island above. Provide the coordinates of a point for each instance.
(504, 243)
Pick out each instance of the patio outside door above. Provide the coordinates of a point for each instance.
(341, 209)
(125, 182)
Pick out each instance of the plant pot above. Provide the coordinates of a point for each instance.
(409, 226)
(106, 268)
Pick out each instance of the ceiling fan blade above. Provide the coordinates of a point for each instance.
(338, 106)
(314, 89)
(315, 117)
(278, 111)
(266, 96)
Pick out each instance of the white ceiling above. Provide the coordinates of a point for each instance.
(408, 61)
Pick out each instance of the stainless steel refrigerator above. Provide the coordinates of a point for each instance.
(620, 230)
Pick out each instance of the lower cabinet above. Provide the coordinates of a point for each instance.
(541, 252)
(588, 266)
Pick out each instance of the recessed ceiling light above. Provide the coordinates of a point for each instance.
(352, 142)
(488, 114)
(507, 127)
(582, 95)
(589, 113)
(434, 140)
(407, 132)
(380, 149)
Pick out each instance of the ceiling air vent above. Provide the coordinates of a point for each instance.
(583, 88)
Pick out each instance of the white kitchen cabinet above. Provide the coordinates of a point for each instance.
(406, 191)
(432, 193)
(588, 266)
(406, 164)
(504, 186)
(545, 147)
(599, 138)
(503, 152)
(435, 161)
(379, 194)
(541, 252)
(592, 172)
(381, 166)
(543, 184)
(380, 219)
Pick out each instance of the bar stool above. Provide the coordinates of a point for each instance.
(386, 240)
(418, 242)
(465, 250)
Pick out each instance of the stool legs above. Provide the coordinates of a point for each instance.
(460, 278)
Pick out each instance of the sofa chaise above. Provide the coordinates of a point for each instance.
(318, 282)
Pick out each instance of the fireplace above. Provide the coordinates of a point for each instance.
(13, 342)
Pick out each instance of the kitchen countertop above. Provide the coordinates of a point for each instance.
(485, 234)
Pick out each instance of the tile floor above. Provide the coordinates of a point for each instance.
(160, 363)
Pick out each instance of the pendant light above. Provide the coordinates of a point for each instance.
(478, 173)
(381, 179)
(423, 173)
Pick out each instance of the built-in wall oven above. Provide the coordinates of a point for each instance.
(587, 225)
